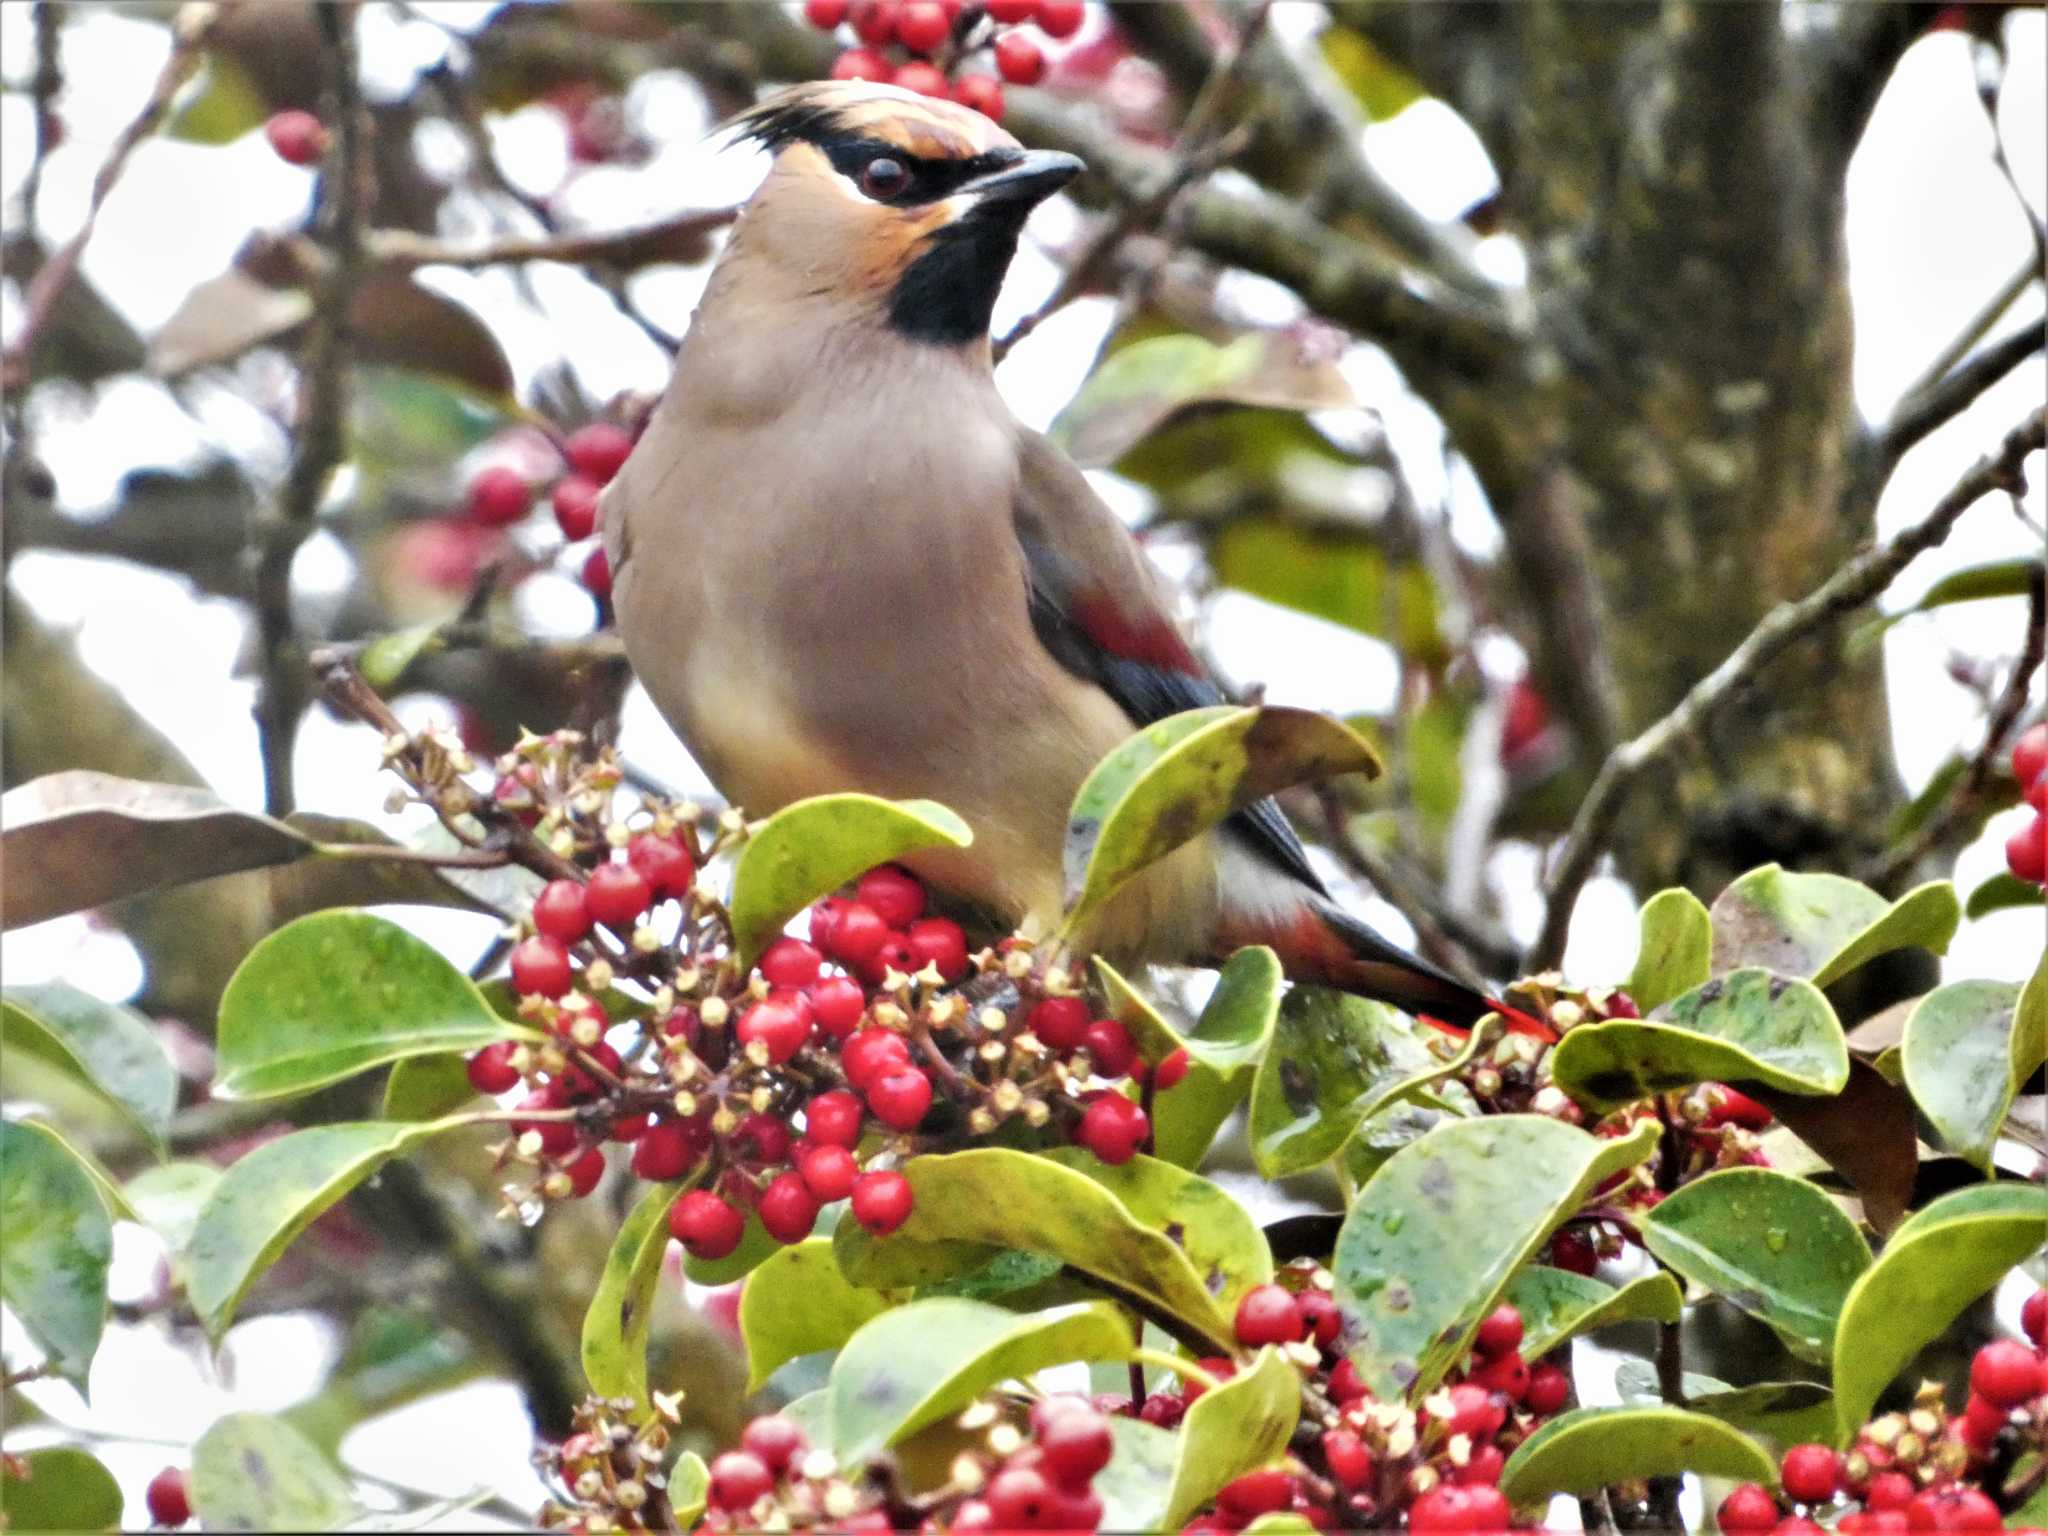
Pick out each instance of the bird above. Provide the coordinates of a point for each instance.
(841, 563)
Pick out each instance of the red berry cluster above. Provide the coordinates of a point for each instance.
(1919, 1470)
(298, 138)
(170, 1504)
(920, 44)
(2026, 851)
(500, 494)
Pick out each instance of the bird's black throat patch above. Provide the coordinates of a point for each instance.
(948, 293)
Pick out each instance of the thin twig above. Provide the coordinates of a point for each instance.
(188, 35)
(1968, 790)
(641, 245)
(44, 87)
(1856, 583)
(1977, 328)
(1948, 395)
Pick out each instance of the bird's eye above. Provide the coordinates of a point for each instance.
(883, 177)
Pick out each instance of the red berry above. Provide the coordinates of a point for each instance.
(1486, 1507)
(2005, 1373)
(1020, 1499)
(541, 965)
(894, 955)
(2036, 793)
(1109, 1046)
(1482, 1468)
(881, 1201)
(1173, 1066)
(1060, 18)
(2034, 1318)
(664, 862)
(1019, 60)
(1500, 1332)
(1811, 1473)
(1348, 1458)
(1749, 1508)
(788, 1208)
(892, 893)
(556, 1136)
(598, 451)
(1345, 1387)
(683, 1024)
(1475, 1412)
(1796, 1526)
(1010, 13)
(861, 64)
(870, 1052)
(559, 911)
(778, 1441)
(780, 1025)
(1888, 1491)
(979, 93)
(833, 1120)
(1077, 1510)
(499, 495)
(169, 1504)
(1731, 1107)
(1077, 1445)
(791, 963)
(1572, 1251)
(596, 574)
(618, 895)
(1267, 1314)
(1163, 1409)
(829, 1172)
(874, 22)
(825, 14)
(491, 1069)
(837, 1003)
(585, 1172)
(855, 932)
(2030, 755)
(1060, 1022)
(1446, 1507)
(1321, 1316)
(669, 1149)
(298, 138)
(739, 1479)
(1256, 1493)
(1550, 1388)
(899, 1097)
(1507, 1373)
(1113, 1128)
(575, 502)
(922, 25)
(939, 943)
(2026, 851)
(761, 1138)
(1971, 1509)
(1222, 1367)
(925, 79)
(1980, 1423)
(706, 1225)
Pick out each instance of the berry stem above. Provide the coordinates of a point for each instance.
(1185, 1369)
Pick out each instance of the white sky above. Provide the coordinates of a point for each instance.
(1932, 231)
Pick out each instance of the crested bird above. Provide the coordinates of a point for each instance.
(840, 562)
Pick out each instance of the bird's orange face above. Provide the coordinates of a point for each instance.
(905, 206)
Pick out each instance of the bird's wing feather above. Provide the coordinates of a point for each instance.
(1097, 606)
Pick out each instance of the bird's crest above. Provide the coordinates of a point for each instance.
(827, 110)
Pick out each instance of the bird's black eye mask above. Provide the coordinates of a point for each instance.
(903, 180)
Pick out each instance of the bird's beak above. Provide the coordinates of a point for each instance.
(1031, 178)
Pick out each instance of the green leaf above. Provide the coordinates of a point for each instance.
(1223, 1049)
(1335, 574)
(622, 1308)
(915, 1364)
(221, 106)
(971, 1204)
(428, 1087)
(2014, 577)
(2001, 892)
(1940, 1260)
(337, 993)
(798, 1303)
(813, 847)
(112, 1196)
(1383, 89)
(1138, 388)
(110, 1049)
(1173, 780)
(1433, 1238)
(1230, 1429)
(1557, 1305)
(1965, 1055)
(272, 1194)
(64, 1489)
(251, 1472)
(689, 1488)
(1821, 927)
(1218, 1236)
(169, 1197)
(1774, 1246)
(755, 1249)
(386, 659)
(1588, 1448)
(1748, 1026)
(1672, 956)
(1134, 1485)
(1332, 1055)
(56, 1243)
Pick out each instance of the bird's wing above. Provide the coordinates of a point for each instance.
(1098, 607)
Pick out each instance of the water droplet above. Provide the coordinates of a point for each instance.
(1391, 1222)
(1774, 1239)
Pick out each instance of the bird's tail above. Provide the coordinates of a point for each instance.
(1323, 944)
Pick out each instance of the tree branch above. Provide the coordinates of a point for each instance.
(1945, 396)
(680, 238)
(1856, 583)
